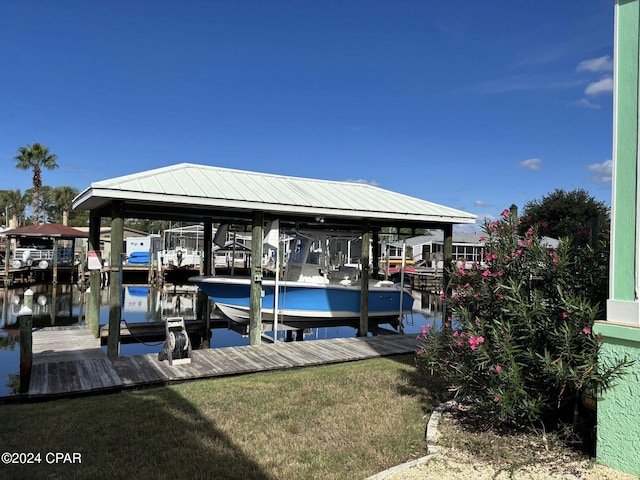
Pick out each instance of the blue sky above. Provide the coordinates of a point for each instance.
(471, 104)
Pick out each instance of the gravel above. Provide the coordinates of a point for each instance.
(509, 458)
(458, 465)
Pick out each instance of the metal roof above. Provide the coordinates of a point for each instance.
(190, 192)
(49, 230)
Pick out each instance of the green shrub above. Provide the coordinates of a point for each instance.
(518, 341)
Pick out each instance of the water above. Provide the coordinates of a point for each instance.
(66, 305)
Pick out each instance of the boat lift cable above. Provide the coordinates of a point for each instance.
(154, 344)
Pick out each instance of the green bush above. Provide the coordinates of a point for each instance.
(518, 341)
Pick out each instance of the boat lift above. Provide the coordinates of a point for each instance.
(177, 346)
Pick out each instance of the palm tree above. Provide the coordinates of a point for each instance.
(15, 203)
(34, 157)
(64, 198)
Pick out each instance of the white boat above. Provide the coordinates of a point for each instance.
(308, 296)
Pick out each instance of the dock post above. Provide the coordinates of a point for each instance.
(255, 300)
(447, 260)
(55, 263)
(26, 340)
(7, 258)
(207, 270)
(363, 331)
(115, 286)
(95, 277)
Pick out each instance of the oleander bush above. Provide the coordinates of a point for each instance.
(517, 341)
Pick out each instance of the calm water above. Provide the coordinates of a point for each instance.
(66, 306)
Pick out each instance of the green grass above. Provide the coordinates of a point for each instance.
(344, 421)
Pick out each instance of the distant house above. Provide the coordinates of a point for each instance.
(428, 250)
(105, 239)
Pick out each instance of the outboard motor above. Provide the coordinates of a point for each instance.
(177, 347)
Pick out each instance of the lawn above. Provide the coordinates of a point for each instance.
(345, 421)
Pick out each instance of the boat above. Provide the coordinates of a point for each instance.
(307, 295)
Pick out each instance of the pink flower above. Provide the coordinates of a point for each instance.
(505, 213)
(442, 296)
(565, 315)
(481, 239)
(486, 273)
(494, 256)
(555, 260)
(530, 232)
(498, 368)
(423, 329)
(475, 341)
(586, 330)
(496, 399)
(455, 334)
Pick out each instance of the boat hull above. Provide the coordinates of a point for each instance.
(302, 303)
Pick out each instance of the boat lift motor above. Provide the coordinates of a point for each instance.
(177, 347)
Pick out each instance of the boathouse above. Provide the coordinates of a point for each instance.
(42, 250)
(213, 195)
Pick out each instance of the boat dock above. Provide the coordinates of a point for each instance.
(69, 361)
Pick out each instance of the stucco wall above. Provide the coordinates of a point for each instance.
(618, 441)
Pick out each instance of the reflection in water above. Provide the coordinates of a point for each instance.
(66, 305)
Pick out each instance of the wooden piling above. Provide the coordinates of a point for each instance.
(207, 255)
(115, 287)
(363, 331)
(25, 319)
(447, 260)
(95, 274)
(255, 300)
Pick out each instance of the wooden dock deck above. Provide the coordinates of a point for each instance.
(84, 368)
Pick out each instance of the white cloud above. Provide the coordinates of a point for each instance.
(362, 180)
(602, 172)
(605, 85)
(532, 164)
(481, 203)
(600, 64)
(586, 103)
